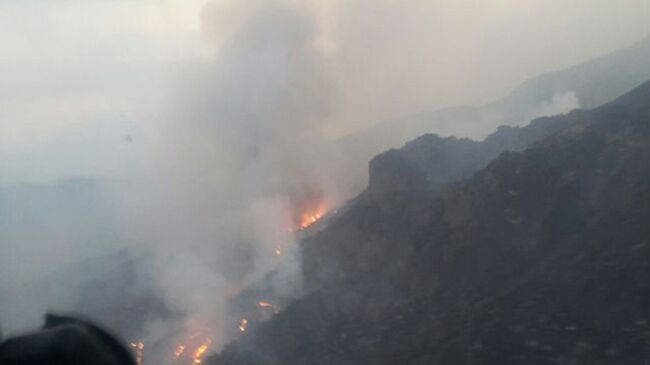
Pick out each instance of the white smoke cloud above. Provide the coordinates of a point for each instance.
(560, 103)
(240, 150)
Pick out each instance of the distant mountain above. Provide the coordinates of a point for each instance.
(586, 85)
(459, 253)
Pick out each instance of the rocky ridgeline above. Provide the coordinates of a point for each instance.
(531, 247)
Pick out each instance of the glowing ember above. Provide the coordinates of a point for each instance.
(139, 351)
(179, 350)
(263, 304)
(243, 324)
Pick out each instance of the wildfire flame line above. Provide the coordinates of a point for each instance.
(200, 351)
(309, 219)
(193, 351)
(263, 304)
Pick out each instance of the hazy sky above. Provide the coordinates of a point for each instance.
(76, 76)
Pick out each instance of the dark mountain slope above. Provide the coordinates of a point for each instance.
(542, 257)
(398, 199)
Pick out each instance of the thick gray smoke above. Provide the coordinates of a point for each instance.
(240, 154)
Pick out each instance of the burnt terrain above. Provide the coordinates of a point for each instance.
(531, 247)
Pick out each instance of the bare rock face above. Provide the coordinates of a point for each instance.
(532, 247)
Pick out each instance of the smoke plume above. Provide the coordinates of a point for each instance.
(196, 200)
(240, 154)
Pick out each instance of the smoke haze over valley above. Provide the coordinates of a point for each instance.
(167, 168)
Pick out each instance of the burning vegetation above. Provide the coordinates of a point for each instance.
(309, 206)
(309, 218)
(270, 306)
(308, 209)
(193, 351)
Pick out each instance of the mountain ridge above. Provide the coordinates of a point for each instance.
(585, 85)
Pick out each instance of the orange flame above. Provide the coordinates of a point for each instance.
(200, 351)
(308, 218)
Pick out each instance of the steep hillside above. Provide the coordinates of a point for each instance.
(540, 257)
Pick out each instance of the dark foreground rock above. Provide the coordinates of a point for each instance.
(65, 341)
